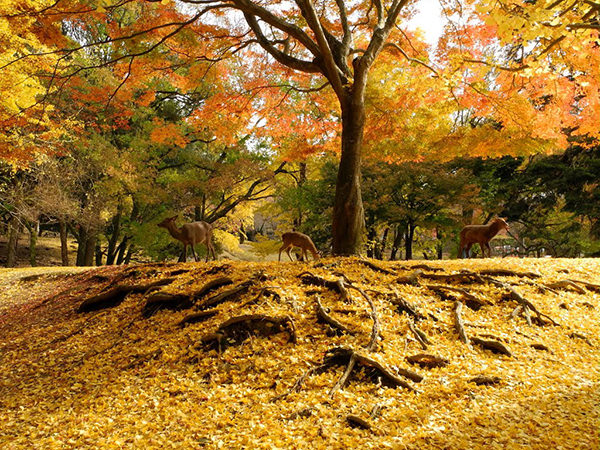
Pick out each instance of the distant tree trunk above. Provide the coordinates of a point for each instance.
(89, 249)
(64, 249)
(398, 236)
(408, 240)
(439, 244)
(371, 241)
(81, 238)
(129, 254)
(33, 235)
(13, 242)
(381, 247)
(121, 250)
(114, 237)
(198, 213)
(98, 252)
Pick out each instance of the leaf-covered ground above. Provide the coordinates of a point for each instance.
(125, 373)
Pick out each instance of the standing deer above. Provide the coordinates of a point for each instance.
(301, 240)
(480, 234)
(190, 234)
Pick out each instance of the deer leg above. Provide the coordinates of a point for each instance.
(489, 249)
(468, 250)
(482, 247)
(280, 250)
(183, 257)
(194, 252)
(212, 249)
(304, 255)
(288, 252)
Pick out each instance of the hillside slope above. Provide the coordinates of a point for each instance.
(101, 358)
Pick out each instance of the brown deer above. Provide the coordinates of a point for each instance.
(480, 234)
(190, 234)
(301, 240)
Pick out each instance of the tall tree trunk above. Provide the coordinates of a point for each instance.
(439, 244)
(111, 249)
(121, 250)
(129, 254)
(33, 235)
(64, 249)
(13, 242)
(98, 252)
(381, 247)
(408, 241)
(398, 235)
(371, 242)
(81, 238)
(90, 249)
(348, 212)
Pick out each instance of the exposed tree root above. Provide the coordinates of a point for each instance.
(492, 345)
(465, 277)
(526, 303)
(421, 266)
(508, 273)
(419, 335)
(471, 301)
(485, 380)
(375, 328)
(230, 294)
(358, 422)
(460, 326)
(411, 279)
(197, 317)
(212, 285)
(238, 329)
(164, 300)
(575, 335)
(540, 346)
(324, 316)
(264, 292)
(566, 285)
(339, 356)
(375, 267)
(427, 361)
(300, 381)
(405, 306)
(311, 279)
(114, 296)
(589, 286)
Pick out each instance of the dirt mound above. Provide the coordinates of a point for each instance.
(340, 353)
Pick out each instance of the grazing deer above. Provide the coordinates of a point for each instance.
(479, 234)
(190, 234)
(301, 240)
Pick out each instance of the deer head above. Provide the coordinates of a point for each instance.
(502, 223)
(167, 222)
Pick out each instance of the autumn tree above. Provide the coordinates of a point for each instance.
(330, 49)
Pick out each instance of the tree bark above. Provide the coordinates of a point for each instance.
(89, 249)
(13, 242)
(33, 235)
(408, 241)
(398, 235)
(98, 252)
(348, 212)
(121, 250)
(64, 249)
(111, 250)
(381, 246)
